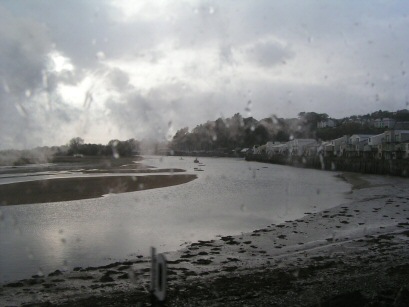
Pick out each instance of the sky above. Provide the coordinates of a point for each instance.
(104, 70)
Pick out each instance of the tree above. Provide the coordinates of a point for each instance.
(75, 145)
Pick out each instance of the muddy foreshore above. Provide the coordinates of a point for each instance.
(355, 254)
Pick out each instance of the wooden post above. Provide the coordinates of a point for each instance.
(158, 279)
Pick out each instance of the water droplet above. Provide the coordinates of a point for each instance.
(29, 253)
(252, 128)
(100, 55)
(333, 166)
(116, 155)
(94, 42)
(21, 110)
(44, 79)
(132, 276)
(6, 87)
(211, 10)
(141, 186)
(27, 93)
(40, 272)
(214, 138)
(291, 137)
(248, 107)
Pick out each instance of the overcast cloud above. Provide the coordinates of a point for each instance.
(105, 70)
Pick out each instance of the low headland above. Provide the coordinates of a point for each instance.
(354, 254)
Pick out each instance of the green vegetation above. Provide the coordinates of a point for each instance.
(223, 136)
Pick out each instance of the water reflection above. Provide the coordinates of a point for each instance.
(229, 197)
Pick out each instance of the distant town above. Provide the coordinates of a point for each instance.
(310, 140)
(382, 134)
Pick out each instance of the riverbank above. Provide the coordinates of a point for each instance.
(364, 165)
(102, 178)
(355, 253)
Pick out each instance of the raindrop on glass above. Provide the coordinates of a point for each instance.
(27, 93)
(211, 10)
(40, 272)
(45, 79)
(132, 276)
(6, 87)
(100, 55)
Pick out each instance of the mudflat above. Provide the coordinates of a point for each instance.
(90, 177)
(354, 254)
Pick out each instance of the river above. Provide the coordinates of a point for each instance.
(229, 196)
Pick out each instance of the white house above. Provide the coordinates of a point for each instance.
(276, 148)
(384, 123)
(297, 147)
(326, 123)
(340, 145)
(357, 143)
(375, 140)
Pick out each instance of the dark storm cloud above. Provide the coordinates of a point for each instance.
(268, 54)
(201, 58)
(23, 48)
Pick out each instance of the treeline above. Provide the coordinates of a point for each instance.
(326, 134)
(76, 146)
(227, 134)
(115, 148)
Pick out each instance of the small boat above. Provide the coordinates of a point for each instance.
(196, 161)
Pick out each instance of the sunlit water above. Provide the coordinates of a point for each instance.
(230, 196)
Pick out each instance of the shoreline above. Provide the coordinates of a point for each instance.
(353, 251)
(77, 188)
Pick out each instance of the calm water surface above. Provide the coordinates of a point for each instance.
(230, 196)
